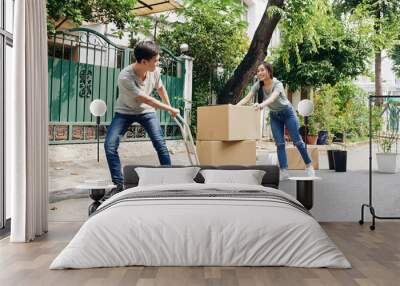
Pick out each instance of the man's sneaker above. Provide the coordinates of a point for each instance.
(119, 188)
(283, 174)
(310, 171)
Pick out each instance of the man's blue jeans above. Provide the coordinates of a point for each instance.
(280, 119)
(117, 129)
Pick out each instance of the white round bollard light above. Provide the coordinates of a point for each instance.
(184, 48)
(98, 107)
(305, 107)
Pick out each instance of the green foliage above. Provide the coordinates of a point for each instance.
(312, 128)
(341, 108)
(386, 145)
(326, 106)
(395, 56)
(376, 120)
(341, 7)
(313, 125)
(138, 27)
(148, 26)
(300, 18)
(119, 12)
(337, 51)
(388, 131)
(215, 33)
(383, 30)
(379, 19)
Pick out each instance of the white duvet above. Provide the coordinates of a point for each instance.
(204, 231)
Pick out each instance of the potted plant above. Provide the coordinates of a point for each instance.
(387, 160)
(312, 134)
(321, 122)
(325, 113)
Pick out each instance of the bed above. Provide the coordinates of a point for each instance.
(201, 224)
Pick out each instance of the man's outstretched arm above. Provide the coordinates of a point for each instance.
(157, 104)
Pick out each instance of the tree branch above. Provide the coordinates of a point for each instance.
(257, 52)
(62, 22)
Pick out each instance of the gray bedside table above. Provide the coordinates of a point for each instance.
(305, 190)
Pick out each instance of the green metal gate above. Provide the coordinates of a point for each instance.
(84, 65)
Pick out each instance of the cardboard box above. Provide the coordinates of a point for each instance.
(227, 152)
(295, 161)
(228, 123)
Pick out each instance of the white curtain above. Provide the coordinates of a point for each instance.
(27, 121)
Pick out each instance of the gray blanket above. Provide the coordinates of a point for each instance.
(207, 193)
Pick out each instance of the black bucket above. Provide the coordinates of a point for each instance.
(340, 160)
(330, 159)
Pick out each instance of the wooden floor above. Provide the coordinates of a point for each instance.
(375, 257)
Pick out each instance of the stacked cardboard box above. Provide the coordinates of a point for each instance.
(227, 134)
(295, 161)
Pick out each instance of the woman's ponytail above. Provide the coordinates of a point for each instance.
(260, 93)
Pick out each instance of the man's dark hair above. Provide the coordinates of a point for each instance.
(146, 50)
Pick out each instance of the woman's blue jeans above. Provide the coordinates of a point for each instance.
(117, 129)
(280, 119)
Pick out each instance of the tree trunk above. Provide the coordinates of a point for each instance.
(257, 52)
(378, 74)
(305, 92)
(378, 57)
(60, 23)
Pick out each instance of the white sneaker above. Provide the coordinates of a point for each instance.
(283, 174)
(310, 171)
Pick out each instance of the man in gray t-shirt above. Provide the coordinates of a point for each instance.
(136, 82)
(131, 86)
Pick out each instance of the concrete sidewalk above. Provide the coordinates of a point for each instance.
(71, 165)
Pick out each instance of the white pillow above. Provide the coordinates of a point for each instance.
(248, 177)
(166, 176)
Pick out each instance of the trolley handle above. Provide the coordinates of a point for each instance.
(185, 130)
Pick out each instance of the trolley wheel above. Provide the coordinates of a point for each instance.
(372, 227)
(361, 222)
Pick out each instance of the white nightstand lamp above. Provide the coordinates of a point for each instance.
(305, 108)
(98, 108)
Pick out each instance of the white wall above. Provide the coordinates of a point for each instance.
(98, 57)
(108, 31)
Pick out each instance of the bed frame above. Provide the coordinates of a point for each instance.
(270, 179)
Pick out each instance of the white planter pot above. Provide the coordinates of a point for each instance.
(388, 162)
